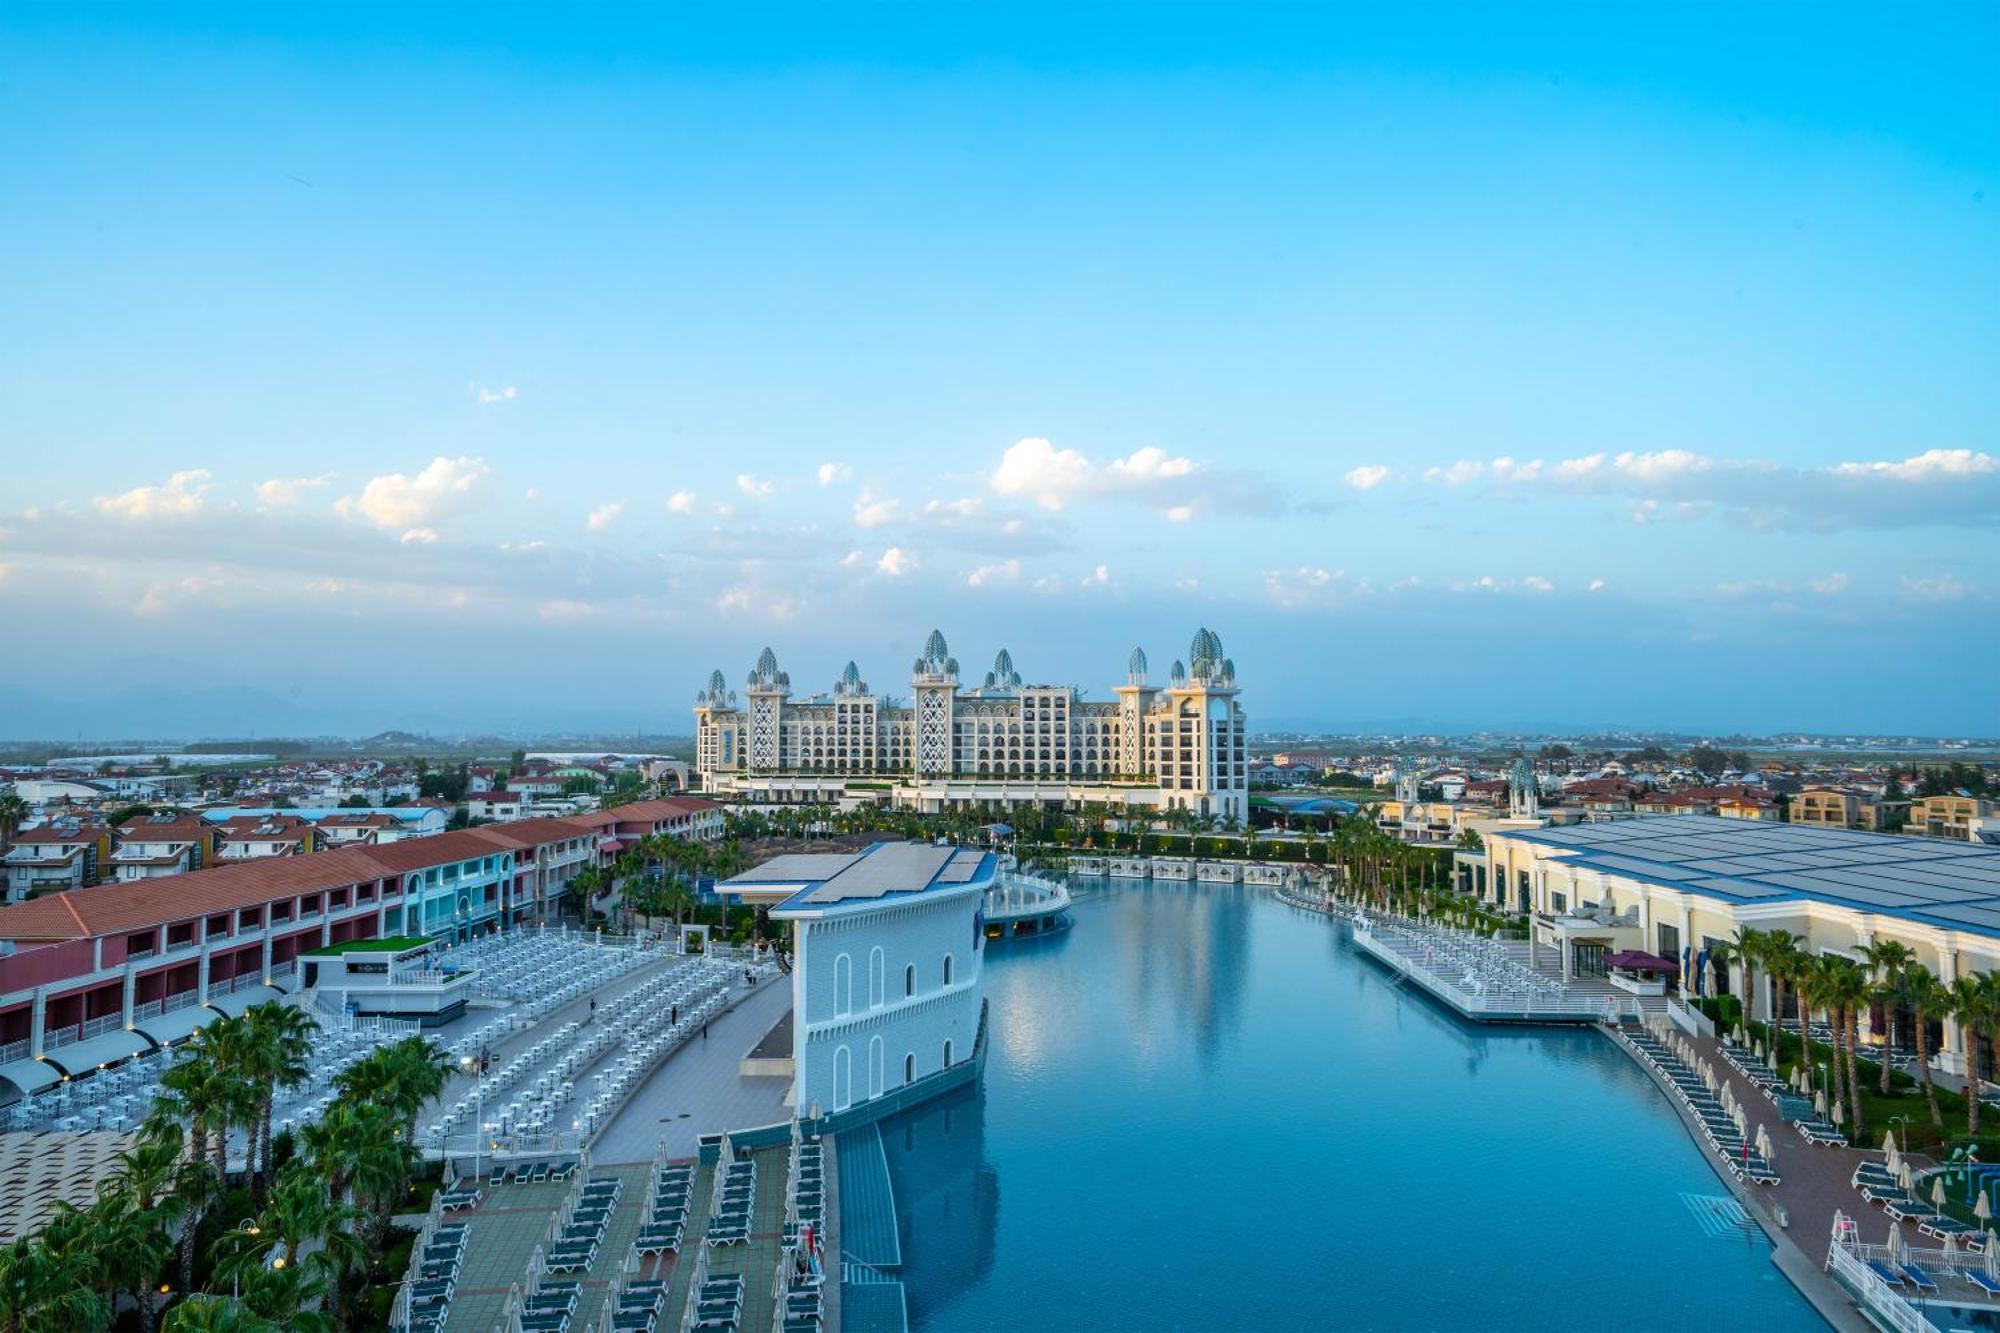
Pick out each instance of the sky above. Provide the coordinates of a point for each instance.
(1494, 366)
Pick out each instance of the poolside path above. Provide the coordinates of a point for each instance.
(697, 1090)
(1816, 1182)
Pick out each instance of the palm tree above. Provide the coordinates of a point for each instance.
(1972, 1003)
(1808, 981)
(1750, 952)
(12, 810)
(1926, 996)
(1721, 954)
(195, 1190)
(1781, 962)
(129, 1243)
(283, 1297)
(214, 1314)
(277, 1050)
(1848, 987)
(42, 1288)
(1888, 958)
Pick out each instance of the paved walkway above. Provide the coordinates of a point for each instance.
(698, 1089)
(1815, 1182)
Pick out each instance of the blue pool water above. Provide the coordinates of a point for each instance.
(1203, 1110)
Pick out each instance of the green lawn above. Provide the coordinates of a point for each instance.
(387, 944)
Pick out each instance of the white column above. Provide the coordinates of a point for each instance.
(1951, 1058)
(36, 1035)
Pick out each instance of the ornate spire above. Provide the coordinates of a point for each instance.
(1135, 667)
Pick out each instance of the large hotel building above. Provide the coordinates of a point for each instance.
(1179, 746)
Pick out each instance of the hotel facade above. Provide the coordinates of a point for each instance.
(1178, 746)
(1677, 886)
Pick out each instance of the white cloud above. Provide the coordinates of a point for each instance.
(284, 492)
(488, 397)
(1457, 474)
(1943, 588)
(896, 562)
(1939, 487)
(871, 512)
(1596, 585)
(1536, 583)
(1034, 469)
(829, 473)
(1932, 463)
(1832, 585)
(754, 486)
(1180, 513)
(852, 560)
(1368, 476)
(1098, 578)
(682, 502)
(603, 516)
(165, 596)
(419, 537)
(397, 500)
(1005, 572)
(180, 496)
(735, 599)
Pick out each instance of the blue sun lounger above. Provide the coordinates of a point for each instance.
(1980, 1280)
(1886, 1273)
(1917, 1277)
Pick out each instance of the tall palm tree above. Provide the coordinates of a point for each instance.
(1781, 961)
(1973, 1005)
(1848, 988)
(277, 1051)
(285, 1297)
(1750, 952)
(1926, 995)
(1808, 981)
(1888, 958)
(195, 1191)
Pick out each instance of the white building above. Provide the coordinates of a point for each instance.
(1005, 742)
(886, 950)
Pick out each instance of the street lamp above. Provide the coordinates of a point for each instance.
(475, 1065)
(248, 1226)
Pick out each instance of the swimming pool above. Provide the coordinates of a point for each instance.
(1203, 1110)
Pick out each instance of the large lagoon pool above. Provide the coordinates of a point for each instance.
(1203, 1109)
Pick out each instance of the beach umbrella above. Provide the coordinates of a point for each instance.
(1764, 1140)
(1937, 1193)
(1904, 1176)
(1950, 1250)
(1992, 1255)
(1742, 1121)
(1894, 1243)
(1819, 1103)
(1839, 1116)
(1982, 1209)
(1889, 1142)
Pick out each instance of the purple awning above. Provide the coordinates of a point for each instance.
(1634, 961)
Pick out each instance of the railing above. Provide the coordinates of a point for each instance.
(1848, 1262)
(1502, 1000)
(14, 1050)
(103, 1023)
(180, 1001)
(55, 1038)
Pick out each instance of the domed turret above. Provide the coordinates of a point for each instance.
(716, 684)
(1003, 676)
(1177, 673)
(766, 674)
(1135, 667)
(1204, 655)
(850, 681)
(715, 694)
(934, 649)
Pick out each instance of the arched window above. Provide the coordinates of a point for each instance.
(876, 1060)
(843, 1078)
(909, 1069)
(909, 981)
(843, 985)
(947, 969)
(947, 1054)
(878, 982)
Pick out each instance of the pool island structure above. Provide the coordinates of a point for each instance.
(887, 942)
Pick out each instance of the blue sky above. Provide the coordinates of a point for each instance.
(1489, 366)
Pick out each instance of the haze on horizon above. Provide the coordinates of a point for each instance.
(1486, 366)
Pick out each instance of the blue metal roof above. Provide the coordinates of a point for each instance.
(1951, 885)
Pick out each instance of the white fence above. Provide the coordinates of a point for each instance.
(1848, 1262)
